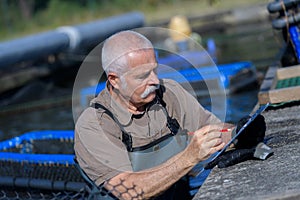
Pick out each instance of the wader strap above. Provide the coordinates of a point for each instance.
(126, 138)
(172, 123)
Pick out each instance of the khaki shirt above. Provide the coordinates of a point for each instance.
(98, 139)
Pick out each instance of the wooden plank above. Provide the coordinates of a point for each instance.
(268, 80)
(284, 95)
(263, 95)
(268, 91)
(288, 72)
(263, 98)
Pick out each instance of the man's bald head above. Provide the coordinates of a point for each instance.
(118, 46)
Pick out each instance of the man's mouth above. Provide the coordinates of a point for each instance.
(149, 90)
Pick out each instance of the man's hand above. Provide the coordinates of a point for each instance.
(226, 132)
(252, 134)
(205, 142)
(245, 144)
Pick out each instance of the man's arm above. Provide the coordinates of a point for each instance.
(151, 182)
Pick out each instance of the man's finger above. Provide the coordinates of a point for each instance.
(213, 135)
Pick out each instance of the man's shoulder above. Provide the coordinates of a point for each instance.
(98, 121)
(171, 87)
(87, 115)
(100, 104)
(91, 115)
(170, 92)
(169, 83)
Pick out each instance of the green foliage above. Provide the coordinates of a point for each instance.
(18, 19)
(45, 14)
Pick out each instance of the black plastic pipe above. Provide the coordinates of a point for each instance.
(32, 47)
(284, 21)
(43, 184)
(277, 5)
(67, 38)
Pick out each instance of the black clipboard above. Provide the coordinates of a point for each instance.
(202, 165)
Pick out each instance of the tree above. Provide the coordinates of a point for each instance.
(26, 8)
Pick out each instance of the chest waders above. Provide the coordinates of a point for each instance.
(156, 152)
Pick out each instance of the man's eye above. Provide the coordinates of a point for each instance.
(144, 76)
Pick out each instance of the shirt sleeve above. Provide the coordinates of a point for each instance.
(98, 147)
(191, 113)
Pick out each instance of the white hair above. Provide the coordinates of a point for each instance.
(116, 47)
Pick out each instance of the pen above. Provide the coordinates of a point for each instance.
(222, 131)
(225, 130)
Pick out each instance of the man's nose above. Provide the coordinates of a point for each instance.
(153, 78)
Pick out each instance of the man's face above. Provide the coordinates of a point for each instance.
(140, 81)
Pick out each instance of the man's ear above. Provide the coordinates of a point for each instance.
(114, 80)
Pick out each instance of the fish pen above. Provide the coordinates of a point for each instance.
(40, 165)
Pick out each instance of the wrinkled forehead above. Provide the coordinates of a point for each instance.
(141, 69)
(140, 61)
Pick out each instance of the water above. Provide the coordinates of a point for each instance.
(258, 43)
(59, 118)
(244, 43)
(237, 105)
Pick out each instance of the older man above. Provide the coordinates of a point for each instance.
(141, 136)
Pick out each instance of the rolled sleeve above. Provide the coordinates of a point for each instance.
(98, 147)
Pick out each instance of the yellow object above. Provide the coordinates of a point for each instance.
(181, 28)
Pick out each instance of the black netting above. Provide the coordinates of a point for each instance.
(27, 177)
(53, 146)
(23, 180)
(22, 193)
(31, 170)
(53, 172)
(17, 193)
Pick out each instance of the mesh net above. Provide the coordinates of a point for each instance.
(51, 172)
(31, 193)
(45, 169)
(26, 171)
(24, 180)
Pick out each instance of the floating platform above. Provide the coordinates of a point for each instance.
(41, 163)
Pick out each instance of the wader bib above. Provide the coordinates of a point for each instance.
(156, 152)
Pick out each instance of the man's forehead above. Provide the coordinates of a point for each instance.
(142, 68)
(140, 61)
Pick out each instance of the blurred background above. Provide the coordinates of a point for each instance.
(36, 94)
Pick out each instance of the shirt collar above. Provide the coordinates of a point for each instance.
(122, 114)
(119, 112)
